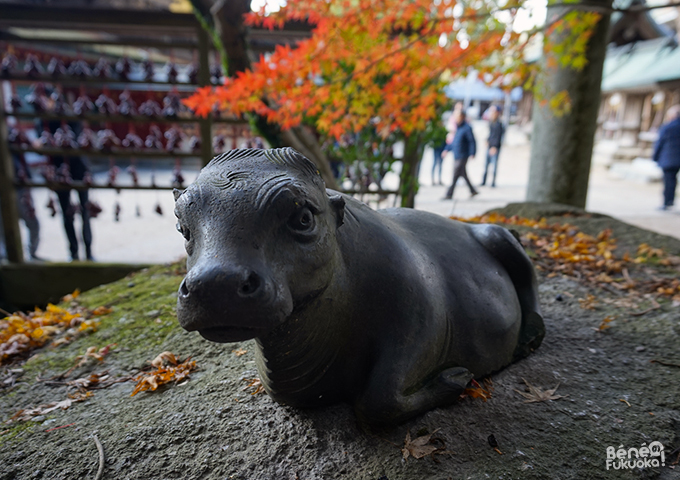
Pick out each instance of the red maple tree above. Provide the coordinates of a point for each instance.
(379, 64)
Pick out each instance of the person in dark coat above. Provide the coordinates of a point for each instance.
(78, 170)
(667, 155)
(25, 204)
(464, 148)
(496, 131)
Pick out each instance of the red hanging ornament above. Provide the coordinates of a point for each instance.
(52, 207)
(178, 178)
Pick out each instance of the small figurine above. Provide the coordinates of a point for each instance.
(46, 138)
(32, 67)
(171, 72)
(102, 69)
(37, 98)
(63, 175)
(59, 104)
(87, 139)
(150, 108)
(172, 104)
(216, 73)
(148, 69)
(127, 106)
(123, 68)
(16, 136)
(65, 138)
(132, 140)
(105, 104)
(173, 137)
(153, 139)
(49, 173)
(79, 68)
(195, 143)
(83, 104)
(219, 141)
(107, 140)
(56, 68)
(15, 103)
(7, 65)
(192, 73)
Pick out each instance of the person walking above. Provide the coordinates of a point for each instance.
(26, 206)
(667, 155)
(438, 142)
(496, 132)
(464, 148)
(77, 169)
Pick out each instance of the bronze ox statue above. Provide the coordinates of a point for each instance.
(393, 311)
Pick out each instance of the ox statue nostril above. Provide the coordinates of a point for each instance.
(183, 290)
(250, 286)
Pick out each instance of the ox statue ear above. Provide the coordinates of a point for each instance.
(338, 204)
(177, 193)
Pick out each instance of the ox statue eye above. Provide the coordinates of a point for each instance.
(302, 220)
(184, 231)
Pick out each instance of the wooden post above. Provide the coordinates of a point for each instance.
(204, 80)
(9, 208)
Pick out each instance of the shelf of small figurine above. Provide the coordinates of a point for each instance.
(100, 117)
(115, 153)
(76, 185)
(110, 82)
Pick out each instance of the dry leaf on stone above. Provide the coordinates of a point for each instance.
(588, 303)
(168, 369)
(254, 383)
(71, 296)
(239, 352)
(419, 447)
(537, 395)
(165, 359)
(604, 325)
(477, 391)
(29, 413)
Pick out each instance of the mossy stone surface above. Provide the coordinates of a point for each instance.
(211, 427)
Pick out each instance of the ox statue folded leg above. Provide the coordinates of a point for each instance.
(393, 311)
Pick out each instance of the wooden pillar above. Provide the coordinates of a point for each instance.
(9, 207)
(204, 80)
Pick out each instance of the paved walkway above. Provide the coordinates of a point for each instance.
(151, 238)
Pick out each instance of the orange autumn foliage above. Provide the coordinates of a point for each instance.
(21, 332)
(562, 248)
(168, 368)
(376, 63)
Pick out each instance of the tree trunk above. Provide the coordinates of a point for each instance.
(408, 178)
(228, 18)
(562, 147)
(306, 143)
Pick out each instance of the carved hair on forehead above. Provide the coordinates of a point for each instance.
(284, 157)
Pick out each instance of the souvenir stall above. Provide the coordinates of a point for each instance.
(106, 86)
